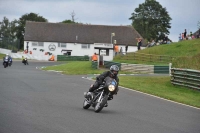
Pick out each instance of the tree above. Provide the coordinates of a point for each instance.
(151, 20)
(7, 32)
(68, 21)
(22, 22)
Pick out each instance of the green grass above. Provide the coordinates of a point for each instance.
(183, 48)
(161, 86)
(75, 68)
(2, 55)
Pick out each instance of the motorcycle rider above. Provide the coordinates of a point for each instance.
(114, 69)
(5, 58)
(10, 59)
(23, 59)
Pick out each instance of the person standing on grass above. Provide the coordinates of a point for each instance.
(126, 48)
(139, 43)
(185, 34)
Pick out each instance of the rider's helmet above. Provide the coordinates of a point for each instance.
(6, 54)
(114, 69)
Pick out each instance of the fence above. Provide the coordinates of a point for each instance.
(107, 64)
(95, 65)
(147, 57)
(185, 77)
(139, 68)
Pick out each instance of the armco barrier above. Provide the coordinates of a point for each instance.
(185, 77)
(95, 65)
(107, 64)
(141, 68)
(161, 69)
(72, 58)
(137, 68)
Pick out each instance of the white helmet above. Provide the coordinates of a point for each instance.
(6, 54)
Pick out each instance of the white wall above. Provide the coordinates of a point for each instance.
(28, 56)
(77, 50)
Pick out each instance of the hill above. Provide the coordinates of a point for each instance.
(184, 54)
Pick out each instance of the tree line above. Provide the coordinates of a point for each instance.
(150, 19)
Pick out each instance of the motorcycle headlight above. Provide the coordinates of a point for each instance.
(111, 87)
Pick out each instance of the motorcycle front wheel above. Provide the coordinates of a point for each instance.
(99, 106)
(4, 65)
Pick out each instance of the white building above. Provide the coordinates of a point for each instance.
(77, 39)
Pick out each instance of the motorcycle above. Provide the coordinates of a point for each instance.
(10, 62)
(98, 99)
(5, 62)
(25, 61)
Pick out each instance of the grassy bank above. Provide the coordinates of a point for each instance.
(184, 54)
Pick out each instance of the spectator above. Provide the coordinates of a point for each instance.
(185, 34)
(165, 39)
(126, 48)
(180, 37)
(193, 37)
(189, 37)
(121, 50)
(94, 57)
(116, 49)
(152, 43)
(139, 43)
(198, 34)
(168, 41)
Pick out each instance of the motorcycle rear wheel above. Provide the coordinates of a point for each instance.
(5, 65)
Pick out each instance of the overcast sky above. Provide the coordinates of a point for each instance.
(185, 14)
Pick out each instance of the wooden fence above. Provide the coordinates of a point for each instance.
(147, 57)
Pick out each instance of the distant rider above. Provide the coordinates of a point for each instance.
(23, 60)
(7, 57)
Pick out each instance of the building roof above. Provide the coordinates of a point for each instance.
(79, 33)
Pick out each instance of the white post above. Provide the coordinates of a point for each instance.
(170, 66)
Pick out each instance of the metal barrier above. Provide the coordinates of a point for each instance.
(107, 64)
(185, 77)
(94, 65)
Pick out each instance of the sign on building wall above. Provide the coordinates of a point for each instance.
(102, 45)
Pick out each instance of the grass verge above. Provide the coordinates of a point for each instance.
(161, 86)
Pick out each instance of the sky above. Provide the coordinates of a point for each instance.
(185, 14)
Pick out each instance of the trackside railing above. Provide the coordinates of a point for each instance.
(185, 77)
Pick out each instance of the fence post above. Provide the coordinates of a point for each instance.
(170, 66)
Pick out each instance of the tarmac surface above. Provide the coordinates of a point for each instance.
(37, 101)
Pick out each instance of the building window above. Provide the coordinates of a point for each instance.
(41, 44)
(62, 45)
(85, 46)
(34, 44)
